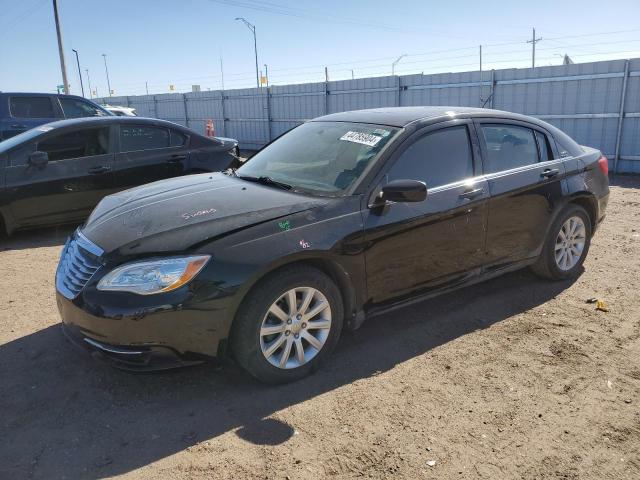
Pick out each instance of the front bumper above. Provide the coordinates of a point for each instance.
(145, 333)
(136, 359)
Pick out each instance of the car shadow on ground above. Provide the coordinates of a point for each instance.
(42, 237)
(66, 415)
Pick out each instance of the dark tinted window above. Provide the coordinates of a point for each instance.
(77, 144)
(508, 146)
(438, 158)
(31, 107)
(133, 138)
(543, 147)
(177, 139)
(74, 108)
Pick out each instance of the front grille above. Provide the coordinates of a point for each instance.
(79, 261)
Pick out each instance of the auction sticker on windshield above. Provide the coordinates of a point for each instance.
(360, 137)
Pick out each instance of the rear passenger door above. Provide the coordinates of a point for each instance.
(26, 112)
(525, 181)
(417, 247)
(149, 153)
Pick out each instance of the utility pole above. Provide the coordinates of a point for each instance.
(89, 83)
(393, 65)
(252, 27)
(533, 42)
(326, 74)
(222, 73)
(104, 55)
(63, 65)
(266, 74)
(79, 71)
(146, 87)
(352, 77)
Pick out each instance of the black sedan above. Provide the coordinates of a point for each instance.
(342, 218)
(58, 172)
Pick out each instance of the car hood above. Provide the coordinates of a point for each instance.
(175, 214)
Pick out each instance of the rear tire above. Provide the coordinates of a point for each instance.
(566, 245)
(277, 343)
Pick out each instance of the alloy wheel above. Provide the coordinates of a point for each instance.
(295, 328)
(570, 243)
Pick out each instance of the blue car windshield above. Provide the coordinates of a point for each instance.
(23, 137)
(320, 157)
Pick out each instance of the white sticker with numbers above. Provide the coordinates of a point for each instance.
(363, 138)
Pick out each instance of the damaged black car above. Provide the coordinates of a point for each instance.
(344, 217)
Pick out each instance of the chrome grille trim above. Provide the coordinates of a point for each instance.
(79, 260)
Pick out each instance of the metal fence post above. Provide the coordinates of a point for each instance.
(268, 94)
(623, 96)
(398, 88)
(224, 117)
(186, 113)
(155, 107)
(326, 97)
(493, 86)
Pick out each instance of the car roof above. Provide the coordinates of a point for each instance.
(88, 121)
(403, 116)
(31, 94)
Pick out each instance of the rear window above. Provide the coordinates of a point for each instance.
(135, 137)
(31, 107)
(508, 146)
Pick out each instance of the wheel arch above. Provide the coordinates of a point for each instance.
(587, 201)
(329, 267)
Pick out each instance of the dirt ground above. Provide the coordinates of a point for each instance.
(513, 378)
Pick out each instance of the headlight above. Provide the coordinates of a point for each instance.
(153, 276)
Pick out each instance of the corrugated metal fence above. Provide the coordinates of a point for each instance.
(598, 103)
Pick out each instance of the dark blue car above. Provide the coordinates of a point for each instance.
(22, 111)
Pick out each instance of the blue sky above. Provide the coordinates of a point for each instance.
(180, 42)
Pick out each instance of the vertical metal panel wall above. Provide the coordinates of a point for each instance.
(598, 103)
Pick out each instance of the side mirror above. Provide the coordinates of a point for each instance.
(404, 191)
(39, 159)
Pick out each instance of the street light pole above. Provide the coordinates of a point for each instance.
(89, 83)
(252, 27)
(393, 65)
(63, 65)
(104, 55)
(79, 71)
(266, 74)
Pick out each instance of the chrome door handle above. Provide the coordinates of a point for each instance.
(471, 194)
(99, 170)
(550, 172)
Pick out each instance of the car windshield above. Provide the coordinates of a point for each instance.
(322, 157)
(23, 137)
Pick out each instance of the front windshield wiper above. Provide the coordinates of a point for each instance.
(264, 180)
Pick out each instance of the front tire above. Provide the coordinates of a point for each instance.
(566, 245)
(287, 325)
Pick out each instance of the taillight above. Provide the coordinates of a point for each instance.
(603, 163)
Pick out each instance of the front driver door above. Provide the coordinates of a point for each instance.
(414, 248)
(76, 178)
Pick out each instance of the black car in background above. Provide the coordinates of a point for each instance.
(343, 217)
(58, 172)
(21, 111)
